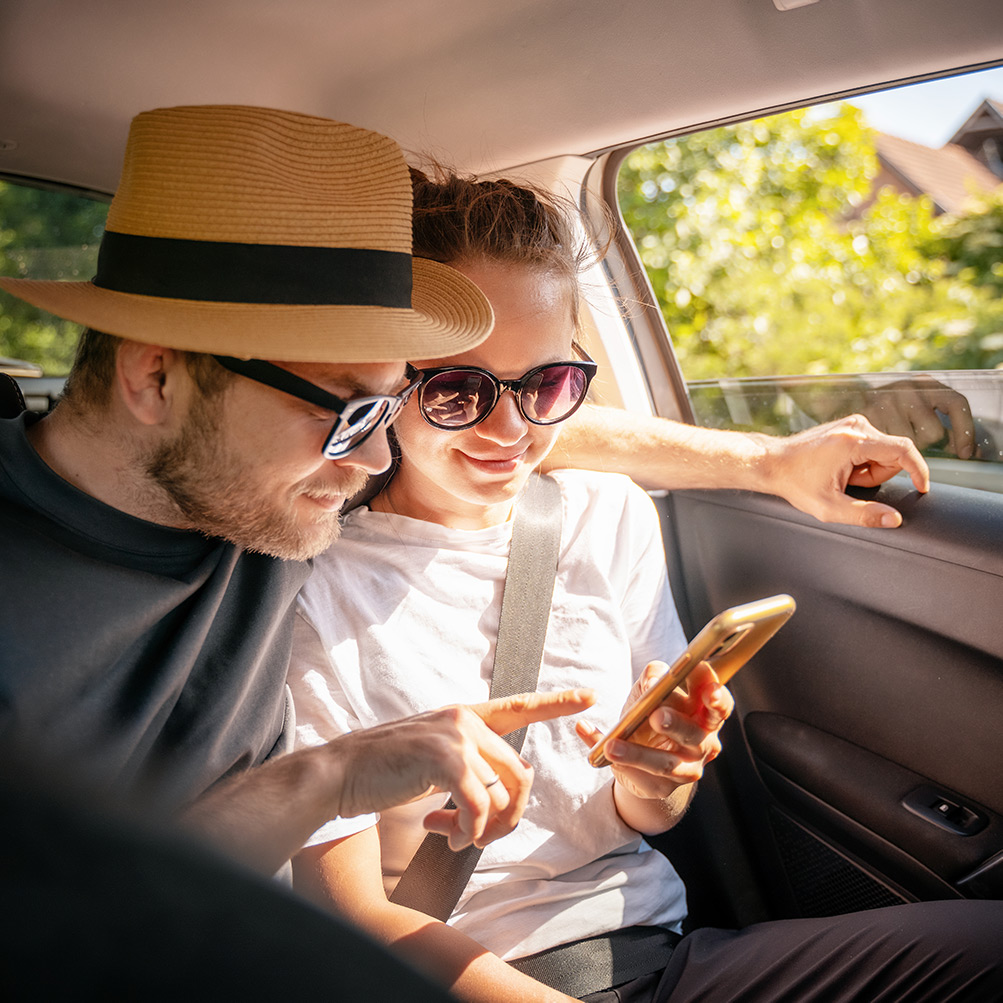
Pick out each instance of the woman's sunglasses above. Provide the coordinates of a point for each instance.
(357, 418)
(458, 397)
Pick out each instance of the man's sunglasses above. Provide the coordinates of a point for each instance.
(458, 397)
(357, 418)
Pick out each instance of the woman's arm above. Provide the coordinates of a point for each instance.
(346, 877)
(656, 770)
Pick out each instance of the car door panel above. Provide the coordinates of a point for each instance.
(887, 681)
(872, 805)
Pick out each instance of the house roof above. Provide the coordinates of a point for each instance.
(987, 117)
(947, 175)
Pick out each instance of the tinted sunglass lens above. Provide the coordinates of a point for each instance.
(553, 393)
(355, 427)
(457, 398)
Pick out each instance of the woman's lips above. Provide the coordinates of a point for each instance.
(492, 465)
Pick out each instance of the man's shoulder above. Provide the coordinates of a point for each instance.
(15, 454)
(12, 432)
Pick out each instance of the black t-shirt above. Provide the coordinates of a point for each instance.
(152, 659)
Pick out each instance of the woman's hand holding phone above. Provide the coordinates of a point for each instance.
(666, 734)
(676, 740)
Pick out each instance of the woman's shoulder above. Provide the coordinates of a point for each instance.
(605, 503)
(598, 487)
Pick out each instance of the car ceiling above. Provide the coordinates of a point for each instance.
(479, 84)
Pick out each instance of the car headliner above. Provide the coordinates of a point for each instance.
(478, 83)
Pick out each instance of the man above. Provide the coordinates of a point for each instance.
(160, 518)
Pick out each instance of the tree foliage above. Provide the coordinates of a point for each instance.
(765, 246)
(972, 244)
(52, 235)
(769, 254)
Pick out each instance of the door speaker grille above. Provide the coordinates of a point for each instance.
(824, 882)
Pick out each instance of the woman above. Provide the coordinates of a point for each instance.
(401, 615)
(427, 559)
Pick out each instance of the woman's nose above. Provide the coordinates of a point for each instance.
(505, 424)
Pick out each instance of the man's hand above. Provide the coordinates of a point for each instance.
(655, 769)
(266, 815)
(455, 749)
(812, 470)
(919, 407)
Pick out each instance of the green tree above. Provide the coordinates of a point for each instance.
(44, 234)
(767, 256)
(972, 243)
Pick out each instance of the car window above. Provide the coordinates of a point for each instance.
(836, 259)
(44, 234)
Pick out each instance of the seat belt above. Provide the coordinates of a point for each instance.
(435, 878)
(596, 963)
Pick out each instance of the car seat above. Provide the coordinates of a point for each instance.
(11, 398)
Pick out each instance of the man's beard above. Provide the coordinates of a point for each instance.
(219, 497)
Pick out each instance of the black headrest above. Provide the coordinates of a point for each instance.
(11, 400)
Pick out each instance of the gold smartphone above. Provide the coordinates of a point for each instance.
(727, 643)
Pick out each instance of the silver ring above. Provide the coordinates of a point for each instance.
(491, 783)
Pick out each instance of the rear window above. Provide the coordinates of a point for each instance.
(837, 259)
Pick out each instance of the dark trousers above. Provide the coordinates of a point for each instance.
(934, 952)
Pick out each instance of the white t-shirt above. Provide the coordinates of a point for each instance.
(400, 616)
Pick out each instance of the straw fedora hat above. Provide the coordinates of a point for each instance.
(267, 234)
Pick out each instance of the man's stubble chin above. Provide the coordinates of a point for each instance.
(217, 496)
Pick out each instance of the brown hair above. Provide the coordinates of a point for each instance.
(93, 373)
(458, 219)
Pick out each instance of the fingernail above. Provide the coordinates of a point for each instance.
(615, 748)
(890, 520)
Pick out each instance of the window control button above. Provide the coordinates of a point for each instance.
(930, 804)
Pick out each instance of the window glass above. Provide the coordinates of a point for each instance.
(841, 258)
(44, 234)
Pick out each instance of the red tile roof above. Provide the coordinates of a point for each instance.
(947, 175)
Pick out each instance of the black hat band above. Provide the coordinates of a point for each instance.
(229, 272)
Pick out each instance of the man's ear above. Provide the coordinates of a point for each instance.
(149, 379)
